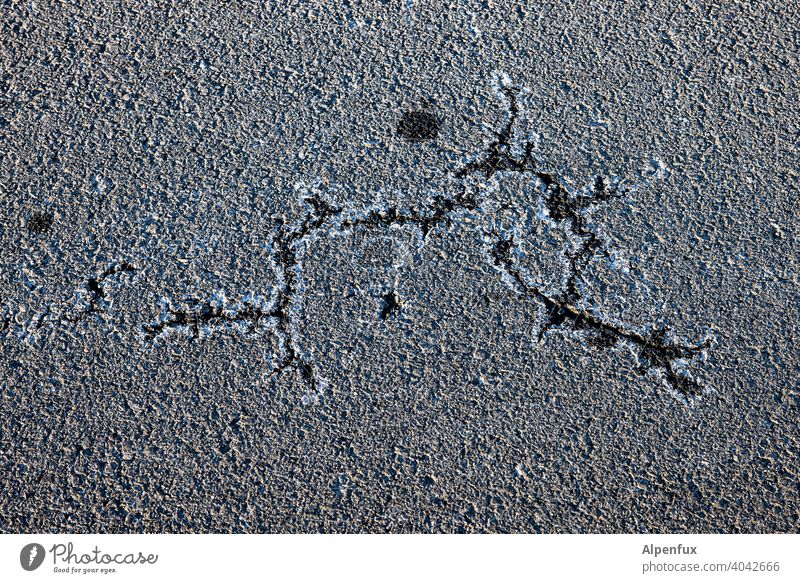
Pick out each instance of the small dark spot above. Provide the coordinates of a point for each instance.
(40, 222)
(391, 304)
(601, 188)
(603, 339)
(556, 315)
(306, 372)
(418, 126)
(429, 481)
(502, 251)
(547, 179)
(93, 285)
(558, 205)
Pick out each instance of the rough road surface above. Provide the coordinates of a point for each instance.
(493, 267)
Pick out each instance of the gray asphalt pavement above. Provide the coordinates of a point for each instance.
(399, 267)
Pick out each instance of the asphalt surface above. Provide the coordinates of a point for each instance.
(488, 267)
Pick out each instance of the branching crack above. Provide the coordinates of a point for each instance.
(197, 316)
(287, 246)
(94, 301)
(656, 348)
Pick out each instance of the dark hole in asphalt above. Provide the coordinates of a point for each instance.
(418, 126)
(39, 222)
(306, 372)
(391, 304)
(94, 286)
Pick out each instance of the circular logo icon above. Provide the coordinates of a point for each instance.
(31, 556)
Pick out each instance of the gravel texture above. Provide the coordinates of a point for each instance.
(399, 267)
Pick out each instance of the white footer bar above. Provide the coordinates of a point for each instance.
(378, 558)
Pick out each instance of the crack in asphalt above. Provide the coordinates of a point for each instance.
(287, 247)
(97, 300)
(288, 243)
(196, 315)
(656, 349)
(96, 286)
(96, 303)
